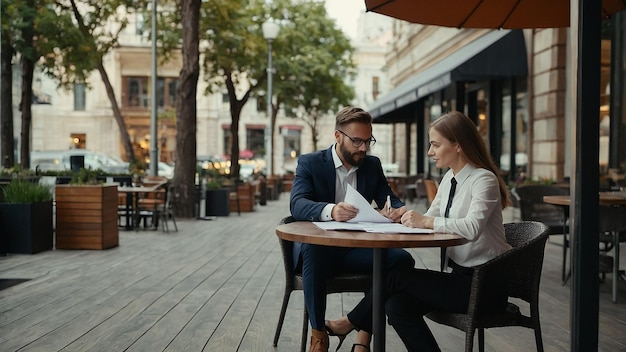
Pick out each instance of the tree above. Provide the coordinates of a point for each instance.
(71, 44)
(18, 36)
(184, 174)
(100, 23)
(314, 65)
(234, 57)
(312, 59)
(6, 87)
(235, 60)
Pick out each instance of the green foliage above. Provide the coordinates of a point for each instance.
(20, 191)
(16, 171)
(87, 177)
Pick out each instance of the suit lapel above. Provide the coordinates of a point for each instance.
(329, 172)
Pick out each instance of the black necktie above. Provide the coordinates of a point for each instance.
(452, 189)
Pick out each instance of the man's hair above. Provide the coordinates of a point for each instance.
(351, 114)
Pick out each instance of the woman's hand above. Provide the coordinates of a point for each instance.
(414, 219)
(394, 214)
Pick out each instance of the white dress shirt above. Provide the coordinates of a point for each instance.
(343, 178)
(476, 214)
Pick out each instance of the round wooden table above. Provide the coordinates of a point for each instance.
(307, 232)
(605, 199)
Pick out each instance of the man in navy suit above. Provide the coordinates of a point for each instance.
(317, 194)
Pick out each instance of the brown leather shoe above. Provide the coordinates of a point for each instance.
(319, 341)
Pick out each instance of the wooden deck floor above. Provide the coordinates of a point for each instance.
(217, 286)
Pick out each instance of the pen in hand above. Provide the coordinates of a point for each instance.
(388, 204)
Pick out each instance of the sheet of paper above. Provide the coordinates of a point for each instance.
(366, 212)
(370, 227)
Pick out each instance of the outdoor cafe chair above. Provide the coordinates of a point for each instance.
(293, 281)
(612, 231)
(166, 211)
(533, 208)
(519, 269)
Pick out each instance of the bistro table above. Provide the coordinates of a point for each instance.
(605, 199)
(307, 232)
(132, 201)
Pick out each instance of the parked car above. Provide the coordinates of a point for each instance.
(164, 169)
(57, 160)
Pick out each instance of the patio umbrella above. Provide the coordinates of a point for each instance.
(511, 14)
(518, 14)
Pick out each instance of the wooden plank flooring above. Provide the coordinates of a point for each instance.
(218, 286)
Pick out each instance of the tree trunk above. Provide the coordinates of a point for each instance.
(28, 70)
(6, 104)
(128, 147)
(235, 113)
(185, 171)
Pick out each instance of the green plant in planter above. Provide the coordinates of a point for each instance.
(25, 217)
(20, 191)
(16, 171)
(213, 184)
(87, 177)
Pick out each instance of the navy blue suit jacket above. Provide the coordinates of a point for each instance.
(314, 187)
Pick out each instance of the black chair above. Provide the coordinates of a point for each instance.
(612, 228)
(520, 270)
(166, 211)
(293, 281)
(533, 208)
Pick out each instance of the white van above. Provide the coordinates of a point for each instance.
(57, 160)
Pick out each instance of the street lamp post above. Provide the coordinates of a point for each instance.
(154, 148)
(270, 32)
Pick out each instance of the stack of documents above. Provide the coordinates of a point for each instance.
(383, 227)
(367, 219)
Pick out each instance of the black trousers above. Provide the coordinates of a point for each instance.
(318, 263)
(413, 293)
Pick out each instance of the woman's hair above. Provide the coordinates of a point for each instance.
(350, 114)
(458, 128)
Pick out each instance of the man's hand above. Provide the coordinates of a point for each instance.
(343, 211)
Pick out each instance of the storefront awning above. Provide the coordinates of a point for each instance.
(497, 54)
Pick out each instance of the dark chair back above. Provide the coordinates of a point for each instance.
(612, 231)
(533, 208)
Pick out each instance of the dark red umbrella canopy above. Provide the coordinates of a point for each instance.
(512, 14)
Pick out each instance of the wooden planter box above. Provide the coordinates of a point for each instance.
(244, 200)
(86, 217)
(26, 228)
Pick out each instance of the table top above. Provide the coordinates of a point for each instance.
(126, 189)
(606, 198)
(307, 232)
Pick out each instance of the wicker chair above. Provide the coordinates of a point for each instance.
(293, 281)
(533, 208)
(520, 270)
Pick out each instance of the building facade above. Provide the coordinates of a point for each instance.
(516, 85)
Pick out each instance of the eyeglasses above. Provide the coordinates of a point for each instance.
(358, 142)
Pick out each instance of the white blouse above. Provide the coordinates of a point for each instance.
(476, 214)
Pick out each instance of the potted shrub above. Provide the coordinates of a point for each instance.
(25, 217)
(86, 212)
(216, 198)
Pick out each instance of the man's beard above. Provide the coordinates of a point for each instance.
(349, 157)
